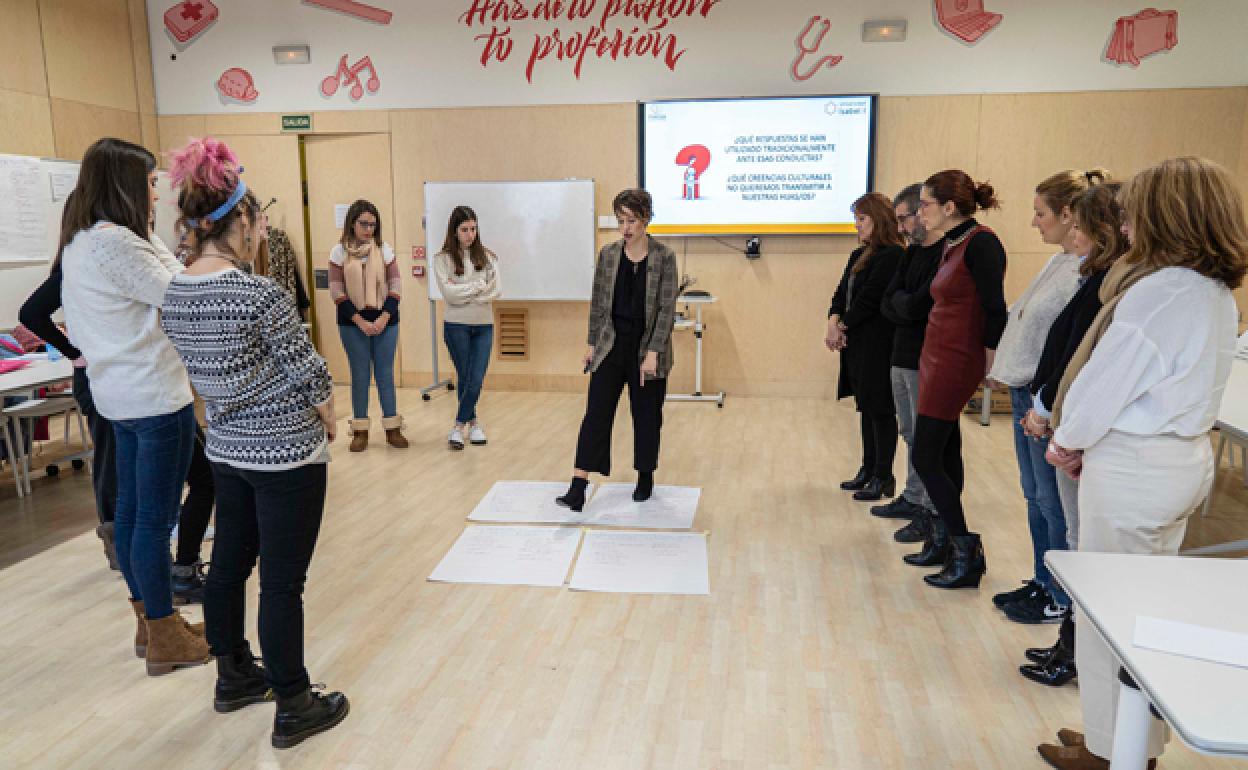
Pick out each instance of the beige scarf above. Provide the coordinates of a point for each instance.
(365, 272)
(1121, 277)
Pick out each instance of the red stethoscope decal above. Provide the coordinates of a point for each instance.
(803, 50)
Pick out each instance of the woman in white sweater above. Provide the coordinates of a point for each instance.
(115, 276)
(1040, 599)
(467, 275)
(1140, 395)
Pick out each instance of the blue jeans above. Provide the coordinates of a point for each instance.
(1044, 506)
(470, 346)
(371, 357)
(153, 456)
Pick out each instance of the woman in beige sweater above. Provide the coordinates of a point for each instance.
(467, 275)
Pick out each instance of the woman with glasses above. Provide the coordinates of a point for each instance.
(364, 283)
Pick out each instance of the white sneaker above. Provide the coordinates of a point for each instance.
(477, 436)
(456, 438)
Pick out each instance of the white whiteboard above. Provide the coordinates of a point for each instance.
(542, 232)
(22, 270)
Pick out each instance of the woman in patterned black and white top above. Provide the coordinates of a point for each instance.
(271, 418)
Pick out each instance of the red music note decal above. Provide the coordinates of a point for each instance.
(351, 76)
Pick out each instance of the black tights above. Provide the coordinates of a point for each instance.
(879, 443)
(197, 507)
(937, 457)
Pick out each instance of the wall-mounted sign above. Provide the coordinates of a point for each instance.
(296, 122)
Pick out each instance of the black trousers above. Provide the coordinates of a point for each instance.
(937, 457)
(621, 367)
(274, 516)
(104, 454)
(197, 507)
(879, 443)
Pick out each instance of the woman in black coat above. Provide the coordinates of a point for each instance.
(864, 337)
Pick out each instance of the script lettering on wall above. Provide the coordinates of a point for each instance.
(571, 31)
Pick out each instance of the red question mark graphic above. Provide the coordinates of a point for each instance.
(701, 158)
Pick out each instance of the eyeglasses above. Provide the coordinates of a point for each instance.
(366, 224)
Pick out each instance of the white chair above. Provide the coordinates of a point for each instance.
(16, 461)
(47, 407)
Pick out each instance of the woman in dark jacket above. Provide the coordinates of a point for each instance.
(862, 334)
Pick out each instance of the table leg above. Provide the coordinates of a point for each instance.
(985, 409)
(1131, 728)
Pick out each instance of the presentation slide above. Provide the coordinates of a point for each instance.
(757, 166)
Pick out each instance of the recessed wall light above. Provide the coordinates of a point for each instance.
(884, 31)
(292, 54)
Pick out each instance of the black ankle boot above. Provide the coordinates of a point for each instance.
(240, 682)
(645, 487)
(876, 489)
(306, 714)
(188, 583)
(857, 482)
(964, 566)
(1055, 672)
(575, 496)
(1065, 640)
(935, 544)
(916, 530)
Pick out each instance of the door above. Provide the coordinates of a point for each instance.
(339, 170)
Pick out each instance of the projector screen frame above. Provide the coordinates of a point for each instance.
(754, 229)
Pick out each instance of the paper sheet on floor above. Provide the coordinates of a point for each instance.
(532, 556)
(668, 508)
(1212, 644)
(527, 502)
(643, 563)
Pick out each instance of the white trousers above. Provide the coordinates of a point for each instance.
(1135, 496)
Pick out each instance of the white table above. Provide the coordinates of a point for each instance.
(1203, 702)
(696, 325)
(1232, 425)
(40, 374)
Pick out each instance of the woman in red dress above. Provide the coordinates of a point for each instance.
(966, 322)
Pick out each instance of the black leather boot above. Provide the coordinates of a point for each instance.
(306, 714)
(574, 498)
(240, 682)
(964, 566)
(857, 482)
(916, 530)
(935, 545)
(1058, 668)
(1065, 637)
(877, 489)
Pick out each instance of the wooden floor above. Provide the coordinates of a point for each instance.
(816, 648)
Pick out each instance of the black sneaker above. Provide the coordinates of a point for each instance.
(899, 508)
(1034, 609)
(188, 583)
(1009, 597)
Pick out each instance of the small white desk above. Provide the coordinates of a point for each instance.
(1203, 702)
(1232, 425)
(697, 301)
(40, 374)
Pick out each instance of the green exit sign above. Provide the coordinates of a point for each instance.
(296, 122)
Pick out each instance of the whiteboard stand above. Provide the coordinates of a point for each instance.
(426, 393)
(697, 300)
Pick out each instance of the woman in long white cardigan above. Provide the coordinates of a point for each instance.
(1139, 398)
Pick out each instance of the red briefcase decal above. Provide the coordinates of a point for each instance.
(1144, 34)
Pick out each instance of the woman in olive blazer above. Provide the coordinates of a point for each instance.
(630, 331)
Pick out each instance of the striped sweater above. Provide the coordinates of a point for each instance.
(252, 363)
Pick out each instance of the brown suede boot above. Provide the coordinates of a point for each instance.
(140, 630)
(394, 437)
(1076, 757)
(359, 435)
(170, 645)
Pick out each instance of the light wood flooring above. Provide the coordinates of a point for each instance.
(817, 648)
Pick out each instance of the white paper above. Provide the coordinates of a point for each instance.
(669, 507)
(340, 214)
(527, 502)
(1212, 644)
(643, 563)
(532, 556)
(62, 178)
(23, 211)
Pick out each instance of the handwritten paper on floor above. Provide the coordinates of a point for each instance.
(532, 556)
(1212, 644)
(643, 563)
(527, 502)
(668, 508)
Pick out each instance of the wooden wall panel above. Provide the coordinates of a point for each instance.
(87, 47)
(26, 125)
(919, 135)
(77, 126)
(22, 44)
(141, 55)
(175, 130)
